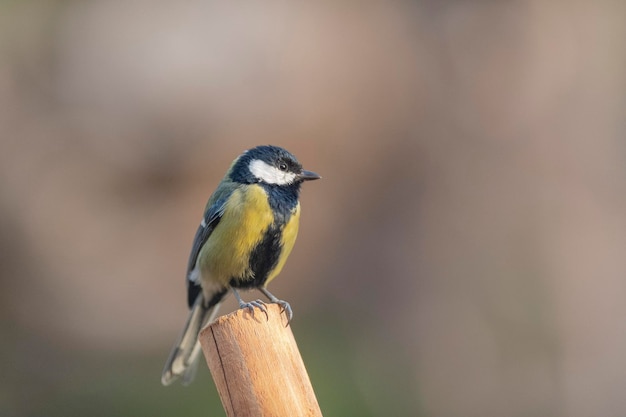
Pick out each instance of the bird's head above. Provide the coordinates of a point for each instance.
(269, 165)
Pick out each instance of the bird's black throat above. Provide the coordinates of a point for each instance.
(283, 199)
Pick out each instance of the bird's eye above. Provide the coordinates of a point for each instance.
(282, 166)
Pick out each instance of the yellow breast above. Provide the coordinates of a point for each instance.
(226, 253)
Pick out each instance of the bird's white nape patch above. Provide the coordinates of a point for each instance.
(270, 174)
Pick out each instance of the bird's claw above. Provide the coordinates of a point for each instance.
(285, 308)
(256, 303)
(284, 305)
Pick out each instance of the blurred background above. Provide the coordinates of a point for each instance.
(464, 254)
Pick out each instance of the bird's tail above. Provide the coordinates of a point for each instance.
(183, 360)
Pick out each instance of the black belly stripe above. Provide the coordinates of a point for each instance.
(263, 259)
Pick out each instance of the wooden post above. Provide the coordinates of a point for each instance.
(257, 367)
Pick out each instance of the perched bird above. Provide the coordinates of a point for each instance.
(248, 229)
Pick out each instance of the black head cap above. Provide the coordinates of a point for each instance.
(270, 165)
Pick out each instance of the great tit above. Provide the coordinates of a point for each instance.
(248, 229)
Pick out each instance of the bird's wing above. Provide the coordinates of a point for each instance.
(211, 218)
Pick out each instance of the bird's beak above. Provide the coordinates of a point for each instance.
(308, 175)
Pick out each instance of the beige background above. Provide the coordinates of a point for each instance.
(462, 256)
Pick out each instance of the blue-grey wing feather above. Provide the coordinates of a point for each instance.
(211, 219)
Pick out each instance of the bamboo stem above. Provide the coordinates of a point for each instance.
(257, 367)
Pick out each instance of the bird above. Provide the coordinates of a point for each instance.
(246, 234)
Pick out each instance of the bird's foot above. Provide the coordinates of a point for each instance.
(284, 308)
(251, 305)
(284, 305)
(254, 304)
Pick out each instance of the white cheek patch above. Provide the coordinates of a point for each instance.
(270, 174)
